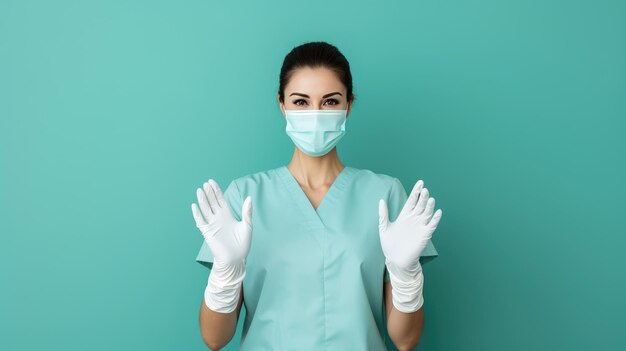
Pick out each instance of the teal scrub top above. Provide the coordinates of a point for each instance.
(314, 278)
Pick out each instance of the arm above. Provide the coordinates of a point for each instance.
(217, 328)
(405, 329)
(229, 241)
(403, 241)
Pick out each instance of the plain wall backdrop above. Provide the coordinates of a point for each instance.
(112, 113)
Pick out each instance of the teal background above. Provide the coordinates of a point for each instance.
(112, 113)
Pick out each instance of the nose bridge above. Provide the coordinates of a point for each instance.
(318, 104)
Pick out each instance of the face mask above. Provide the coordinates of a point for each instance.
(315, 132)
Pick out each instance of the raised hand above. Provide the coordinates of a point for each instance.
(228, 239)
(403, 241)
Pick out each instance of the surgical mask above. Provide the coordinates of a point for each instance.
(315, 132)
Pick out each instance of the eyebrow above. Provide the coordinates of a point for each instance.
(323, 97)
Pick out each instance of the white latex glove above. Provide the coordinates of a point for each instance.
(403, 241)
(229, 241)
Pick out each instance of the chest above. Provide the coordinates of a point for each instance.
(291, 235)
(314, 196)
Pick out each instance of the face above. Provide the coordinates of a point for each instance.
(315, 89)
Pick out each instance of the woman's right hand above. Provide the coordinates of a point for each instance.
(229, 242)
(228, 239)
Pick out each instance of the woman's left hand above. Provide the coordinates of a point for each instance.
(404, 239)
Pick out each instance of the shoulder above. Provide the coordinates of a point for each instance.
(252, 180)
(370, 178)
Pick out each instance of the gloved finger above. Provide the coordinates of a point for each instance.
(246, 212)
(204, 205)
(221, 201)
(412, 200)
(421, 203)
(435, 220)
(210, 194)
(197, 216)
(383, 215)
(428, 212)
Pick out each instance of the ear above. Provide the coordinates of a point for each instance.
(281, 105)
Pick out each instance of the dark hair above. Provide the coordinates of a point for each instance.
(315, 54)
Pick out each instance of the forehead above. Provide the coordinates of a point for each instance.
(314, 81)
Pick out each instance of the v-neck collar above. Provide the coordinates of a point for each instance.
(315, 216)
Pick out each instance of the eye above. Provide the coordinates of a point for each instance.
(334, 101)
(296, 102)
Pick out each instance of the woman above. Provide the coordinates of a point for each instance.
(333, 263)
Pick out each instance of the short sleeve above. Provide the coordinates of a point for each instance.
(234, 200)
(395, 203)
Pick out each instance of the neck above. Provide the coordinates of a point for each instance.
(315, 171)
